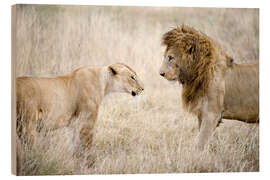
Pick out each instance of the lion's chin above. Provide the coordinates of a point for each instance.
(181, 81)
(173, 80)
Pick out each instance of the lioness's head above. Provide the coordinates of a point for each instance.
(124, 79)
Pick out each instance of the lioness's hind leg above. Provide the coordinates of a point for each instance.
(26, 128)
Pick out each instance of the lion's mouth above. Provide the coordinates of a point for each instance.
(172, 80)
(182, 77)
(181, 81)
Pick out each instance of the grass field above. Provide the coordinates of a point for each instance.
(149, 134)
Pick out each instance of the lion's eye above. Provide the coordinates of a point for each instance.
(170, 58)
(132, 77)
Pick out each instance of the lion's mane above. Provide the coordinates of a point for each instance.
(198, 53)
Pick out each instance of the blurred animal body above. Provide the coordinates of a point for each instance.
(214, 87)
(51, 103)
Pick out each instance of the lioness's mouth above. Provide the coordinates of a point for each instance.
(133, 93)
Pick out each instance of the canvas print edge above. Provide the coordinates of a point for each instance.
(14, 161)
(13, 90)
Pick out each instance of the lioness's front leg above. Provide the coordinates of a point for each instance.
(86, 137)
(86, 130)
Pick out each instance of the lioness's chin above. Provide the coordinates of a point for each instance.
(133, 93)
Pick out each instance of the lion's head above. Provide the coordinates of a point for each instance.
(191, 58)
(124, 79)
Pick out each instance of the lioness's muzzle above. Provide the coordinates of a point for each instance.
(133, 93)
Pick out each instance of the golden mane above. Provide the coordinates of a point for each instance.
(198, 54)
(214, 87)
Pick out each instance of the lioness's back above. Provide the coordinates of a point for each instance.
(26, 87)
(39, 87)
(43, 93)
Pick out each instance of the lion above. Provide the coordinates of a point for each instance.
(214, 87)
(52, 103)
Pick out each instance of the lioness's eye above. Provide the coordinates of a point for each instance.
(132, 77)
(170, 58)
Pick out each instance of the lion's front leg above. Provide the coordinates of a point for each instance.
(209, 123)
(211, 113)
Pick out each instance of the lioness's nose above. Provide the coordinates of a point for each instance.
(162, 74)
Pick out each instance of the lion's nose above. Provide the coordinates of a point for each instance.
(162, 74)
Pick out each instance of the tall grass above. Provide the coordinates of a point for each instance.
(151, 134)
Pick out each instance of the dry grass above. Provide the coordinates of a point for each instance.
(147, 135)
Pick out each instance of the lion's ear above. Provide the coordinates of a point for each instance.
(112, 70)
(190, 44)
(190, 49)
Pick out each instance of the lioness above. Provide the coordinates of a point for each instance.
(51, 103)
(214, 87)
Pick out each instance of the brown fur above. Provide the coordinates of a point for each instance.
(52, 103)
(213, 85)
(198, 55)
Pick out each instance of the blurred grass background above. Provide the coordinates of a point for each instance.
(151, 134)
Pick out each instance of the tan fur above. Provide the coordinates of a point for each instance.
(241, 99)
(51, 103)
(214, 87)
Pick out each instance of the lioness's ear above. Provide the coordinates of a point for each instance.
(112, 70)
(229, 61)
